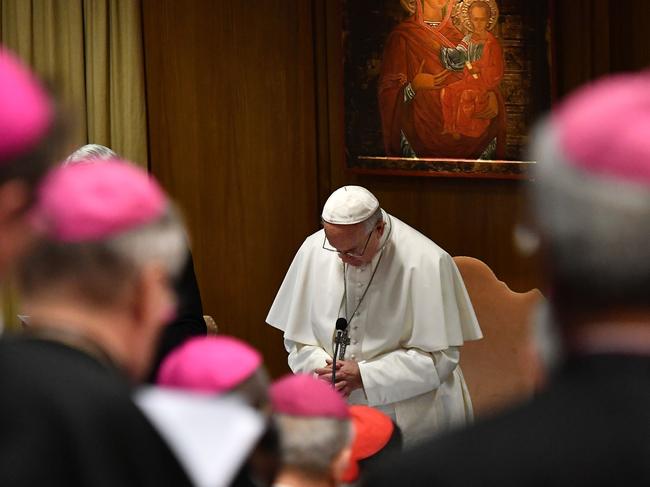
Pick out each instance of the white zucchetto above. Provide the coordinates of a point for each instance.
(349, 205)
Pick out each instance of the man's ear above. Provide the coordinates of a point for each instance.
(15, 231)
(153, 297)
(340, 463)
(14, 200)
(149, 306)
(381, 227)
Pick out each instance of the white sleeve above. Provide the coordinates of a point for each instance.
(406, 373)
(305, 358)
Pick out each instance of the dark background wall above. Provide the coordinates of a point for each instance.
(245, 111)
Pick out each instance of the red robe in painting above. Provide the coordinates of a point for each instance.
(421, 120)
(462, 100)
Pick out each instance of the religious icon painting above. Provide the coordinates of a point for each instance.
(444, 87)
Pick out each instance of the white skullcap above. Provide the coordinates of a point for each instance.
(349, 205)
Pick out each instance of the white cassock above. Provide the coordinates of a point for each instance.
(404, 334)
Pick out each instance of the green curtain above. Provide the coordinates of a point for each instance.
(91, 53)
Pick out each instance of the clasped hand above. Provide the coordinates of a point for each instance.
(348, 376)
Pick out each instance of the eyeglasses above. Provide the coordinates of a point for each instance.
(329, 248)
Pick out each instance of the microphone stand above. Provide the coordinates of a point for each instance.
(337, 340)
(341, 340)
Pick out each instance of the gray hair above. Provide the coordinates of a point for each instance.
(598, 229)
(312, 444)
(90, 152)
(373, 220)
(93, 270)
(254, 390)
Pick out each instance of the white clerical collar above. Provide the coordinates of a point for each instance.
(210, 436)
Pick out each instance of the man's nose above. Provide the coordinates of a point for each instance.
(345, 258)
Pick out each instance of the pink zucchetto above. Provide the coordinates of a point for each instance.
(88, 202)
(209, 364)
(26, 111)
(604, 128)
(303, 395)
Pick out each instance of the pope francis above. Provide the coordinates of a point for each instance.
(405, 306)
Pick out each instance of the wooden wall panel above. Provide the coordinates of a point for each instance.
(245, 110)
(231, 107)
(597, 37)
(582, 42)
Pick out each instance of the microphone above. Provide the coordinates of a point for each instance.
(340, 338)
(341, 324)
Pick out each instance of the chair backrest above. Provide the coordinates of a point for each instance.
(500, 369)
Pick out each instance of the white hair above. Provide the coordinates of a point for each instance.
(98, 272)
(90, 152)
(312, 444)
(373, 219)
(163, 241)
(598, 228)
